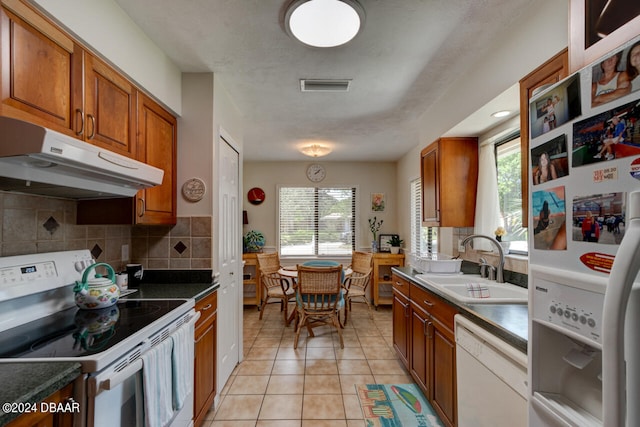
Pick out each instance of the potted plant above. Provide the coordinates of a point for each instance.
(374, 226)
(395, 243)
(253, 241)
(500, 231)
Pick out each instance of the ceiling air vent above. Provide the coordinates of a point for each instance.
(325, 85)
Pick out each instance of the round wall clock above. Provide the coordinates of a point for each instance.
(256, 195)
(193, 190)
(316, 172)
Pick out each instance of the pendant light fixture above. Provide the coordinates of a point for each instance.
(324, 23)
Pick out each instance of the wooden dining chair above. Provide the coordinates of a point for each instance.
(276, 287)
(269, 262)
(318, 299)
(356, 284)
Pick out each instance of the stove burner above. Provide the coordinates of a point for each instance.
(79, 333)
(136, 309)
(51, 338)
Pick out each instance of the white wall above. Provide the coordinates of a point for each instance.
(374, 177)
(527, 43)
(196, 139)
(103, 26)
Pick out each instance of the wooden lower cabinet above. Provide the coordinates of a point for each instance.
(400, 307)
(424, 340)
(421, 349)
(444, 394)
(204, 384)
(48, 418)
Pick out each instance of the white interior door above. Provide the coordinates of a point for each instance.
(229, 315)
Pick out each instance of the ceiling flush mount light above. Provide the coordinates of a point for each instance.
(499, 114)
(324, 23)
(315, 150)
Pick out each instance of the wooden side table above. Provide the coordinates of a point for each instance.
(251, 281)
(381, 276)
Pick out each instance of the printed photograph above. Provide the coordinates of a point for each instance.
(555, 107)
(616, 75)
(599, 218)
(549, 214)
(606, 136)
(550, 160)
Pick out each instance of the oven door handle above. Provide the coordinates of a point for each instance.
(120, 377)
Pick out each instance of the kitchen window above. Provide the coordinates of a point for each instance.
(424, 240)
(508, 160)
(315, 221)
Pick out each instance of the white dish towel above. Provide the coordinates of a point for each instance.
(182, 363)
(157, 383)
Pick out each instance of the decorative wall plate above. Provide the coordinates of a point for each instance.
(194, 189)
(256, 195)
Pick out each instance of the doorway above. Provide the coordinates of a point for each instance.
(230, 301)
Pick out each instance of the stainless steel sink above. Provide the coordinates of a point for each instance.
(473, 289)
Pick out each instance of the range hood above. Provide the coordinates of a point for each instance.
(37, 160)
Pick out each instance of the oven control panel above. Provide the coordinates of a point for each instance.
(27, 273)
(24, 275)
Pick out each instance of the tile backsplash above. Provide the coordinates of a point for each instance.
(35, 224)
(186, 245)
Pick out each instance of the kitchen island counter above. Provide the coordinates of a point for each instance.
(32, 383)
(506, 321)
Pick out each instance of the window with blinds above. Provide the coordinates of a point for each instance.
(316, 221)
(423, 239)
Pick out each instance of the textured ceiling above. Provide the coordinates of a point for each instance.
(408, 54)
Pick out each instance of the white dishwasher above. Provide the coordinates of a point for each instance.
(491, 379)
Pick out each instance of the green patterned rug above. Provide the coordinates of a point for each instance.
(395, 405)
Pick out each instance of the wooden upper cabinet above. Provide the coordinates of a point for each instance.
(157, 145)
(430, 186)
(449, 171)
(109, 108)
(40, 69)
(552, 71)
(49, 79)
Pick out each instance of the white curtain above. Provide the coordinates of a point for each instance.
(488, 216)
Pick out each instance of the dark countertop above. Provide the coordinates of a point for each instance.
(172, 290)
(33, 382)
(510, 322)
(167, 284)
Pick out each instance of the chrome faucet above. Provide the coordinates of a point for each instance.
(500, 266)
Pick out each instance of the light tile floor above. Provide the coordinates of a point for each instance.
(312, 386)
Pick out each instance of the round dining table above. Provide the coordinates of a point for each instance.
(291, 272)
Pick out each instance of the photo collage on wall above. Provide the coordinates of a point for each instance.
(599, 123)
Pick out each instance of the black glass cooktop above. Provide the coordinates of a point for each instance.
(77, 333)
